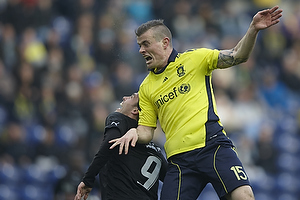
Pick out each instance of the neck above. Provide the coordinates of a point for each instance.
(132, 116)
(166, 57)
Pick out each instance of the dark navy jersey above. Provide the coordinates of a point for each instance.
(132, 176)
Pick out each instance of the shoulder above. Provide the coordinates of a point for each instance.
(114, 116)
(199, 51)
(146, 82)
(120, 121)
(114, 119)
(204, 57)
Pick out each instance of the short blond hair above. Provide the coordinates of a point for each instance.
(157, 25)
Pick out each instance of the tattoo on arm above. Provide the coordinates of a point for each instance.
(227, 59)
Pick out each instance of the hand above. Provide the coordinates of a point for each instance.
(82, 191)
(130, 137)
(266, 18)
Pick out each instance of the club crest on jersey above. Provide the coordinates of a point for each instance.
(180, 71)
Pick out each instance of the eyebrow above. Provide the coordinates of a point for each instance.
(143, 42)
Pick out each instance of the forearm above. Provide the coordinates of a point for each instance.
(246, 45)
(241, 52)
(101, 157)
(145, 134)
(93, 170)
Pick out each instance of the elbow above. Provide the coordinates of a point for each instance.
(240, 59)
(145, 139)
(239, 56)
(245, 59)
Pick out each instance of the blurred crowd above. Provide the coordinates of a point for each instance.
(66, 64)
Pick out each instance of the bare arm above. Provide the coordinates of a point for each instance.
(141, 134)
(241, 52)
(145, 134)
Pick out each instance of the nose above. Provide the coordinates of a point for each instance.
(141, 50)
(125, 98)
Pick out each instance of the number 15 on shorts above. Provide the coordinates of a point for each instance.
(239, 173)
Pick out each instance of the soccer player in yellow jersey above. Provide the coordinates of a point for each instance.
(178, 92)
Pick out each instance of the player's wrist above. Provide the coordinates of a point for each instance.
(253, 29)
(134, 133)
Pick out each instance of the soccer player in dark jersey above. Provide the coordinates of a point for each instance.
(133, 176)
(178, 92)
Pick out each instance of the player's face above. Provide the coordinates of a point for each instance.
(129, 102)
(152, 50)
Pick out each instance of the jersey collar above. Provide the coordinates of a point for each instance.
(171, 59)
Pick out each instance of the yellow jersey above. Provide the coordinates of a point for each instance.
(181, 97)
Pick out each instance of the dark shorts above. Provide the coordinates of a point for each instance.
(188, 173)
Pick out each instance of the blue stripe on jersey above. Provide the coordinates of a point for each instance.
(212, 125)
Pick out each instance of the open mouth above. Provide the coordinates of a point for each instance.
(148, 59)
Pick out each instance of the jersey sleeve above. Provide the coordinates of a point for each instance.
(115, 121)
(148, 115)
(209, 63)
(101, 157)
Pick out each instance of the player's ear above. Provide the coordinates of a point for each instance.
(166, 42)
(135, 111)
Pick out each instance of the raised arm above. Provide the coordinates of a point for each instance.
(241, 52)
(141, 134)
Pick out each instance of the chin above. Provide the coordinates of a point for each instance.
(150, 67)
